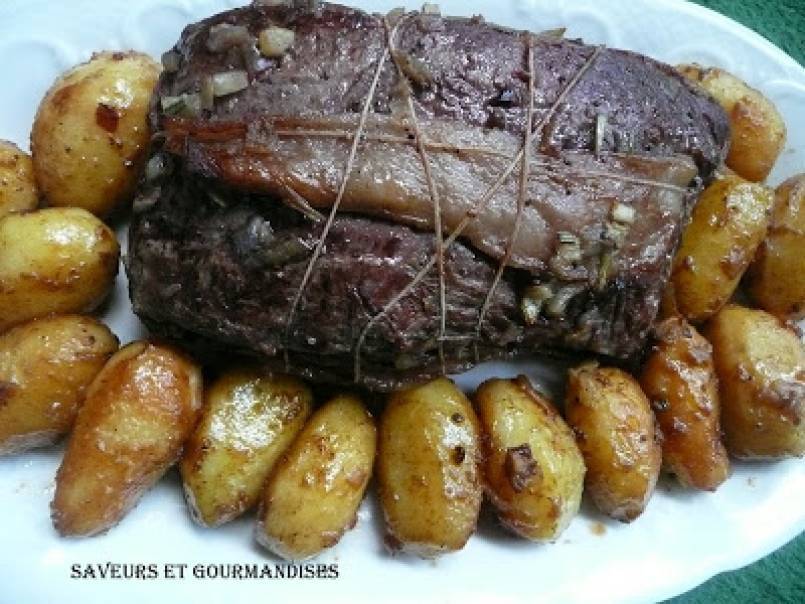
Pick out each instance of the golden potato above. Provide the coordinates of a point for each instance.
(428, 469)
(249, 419)
(311, 498)
(758, 129)
(680, 380)
(45, 369)
(17, 186)
(90, 133)
(727, 225)
(760, 365)
(777, 276)
(139, 410)
(57, 260)
(615, 431)
(533, 470)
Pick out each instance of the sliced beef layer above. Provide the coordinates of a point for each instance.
(233, 245)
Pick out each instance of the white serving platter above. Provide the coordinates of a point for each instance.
(681, 540)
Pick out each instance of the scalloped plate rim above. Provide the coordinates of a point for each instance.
(713, 562)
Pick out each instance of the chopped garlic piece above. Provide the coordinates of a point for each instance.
(229, 82)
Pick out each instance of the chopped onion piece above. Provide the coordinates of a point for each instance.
(207, 94)
(274, 41)
(532, 301)
(558, 33)
(600, 131)
(169, 102)
(623, 213)
(431, 9)
(541, 292)
(184, 105)
(569, 253)
(171, 61)
(556, 306)
(155, 167)
(192, 103)
(616, 233)
(603, 269)
(225, 36)
(229, 82)
(566, 238)
(531, 309)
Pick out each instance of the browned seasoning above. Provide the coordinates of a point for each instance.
(598, 529)
(107, 117)
(520, 466)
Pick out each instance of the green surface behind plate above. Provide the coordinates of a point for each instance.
(781, 21)
(779, 577)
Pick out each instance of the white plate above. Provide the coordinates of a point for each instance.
(681, 540)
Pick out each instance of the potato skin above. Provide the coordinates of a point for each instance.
(46, 367)
(138, 412)
(761, 372)
(727, 225)
(533, 469)
(680, 380)
(90, 133)
(428, 469)
(56, 260)
(758, 129)
(18, 191)
(777, 276)
(616, 433)
(312, 497)
(249, 419)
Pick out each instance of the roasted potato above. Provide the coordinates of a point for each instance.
(615, 431)
(727, 226)
(57, 260)
(311, 498)
(777, 276)
(760, 365)
(680, 380)
(45, 369)
(138, 412)
(533, 470)
(17, 185)
(758, 129)
(249, 419)
(90, 133)
(428, 469)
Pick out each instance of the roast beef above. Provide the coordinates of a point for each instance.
(298, 218)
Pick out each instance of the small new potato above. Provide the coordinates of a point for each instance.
(55, 260)
(45, 369)
(428, 469)
(616, 433)
(777, 276)
(90, 133)
(138, 413)
(533, 469)
(312, 497)
(758, 129)
(760, 365)
(727, 226)
(680, 380)
(249, 419)
(17, 185)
